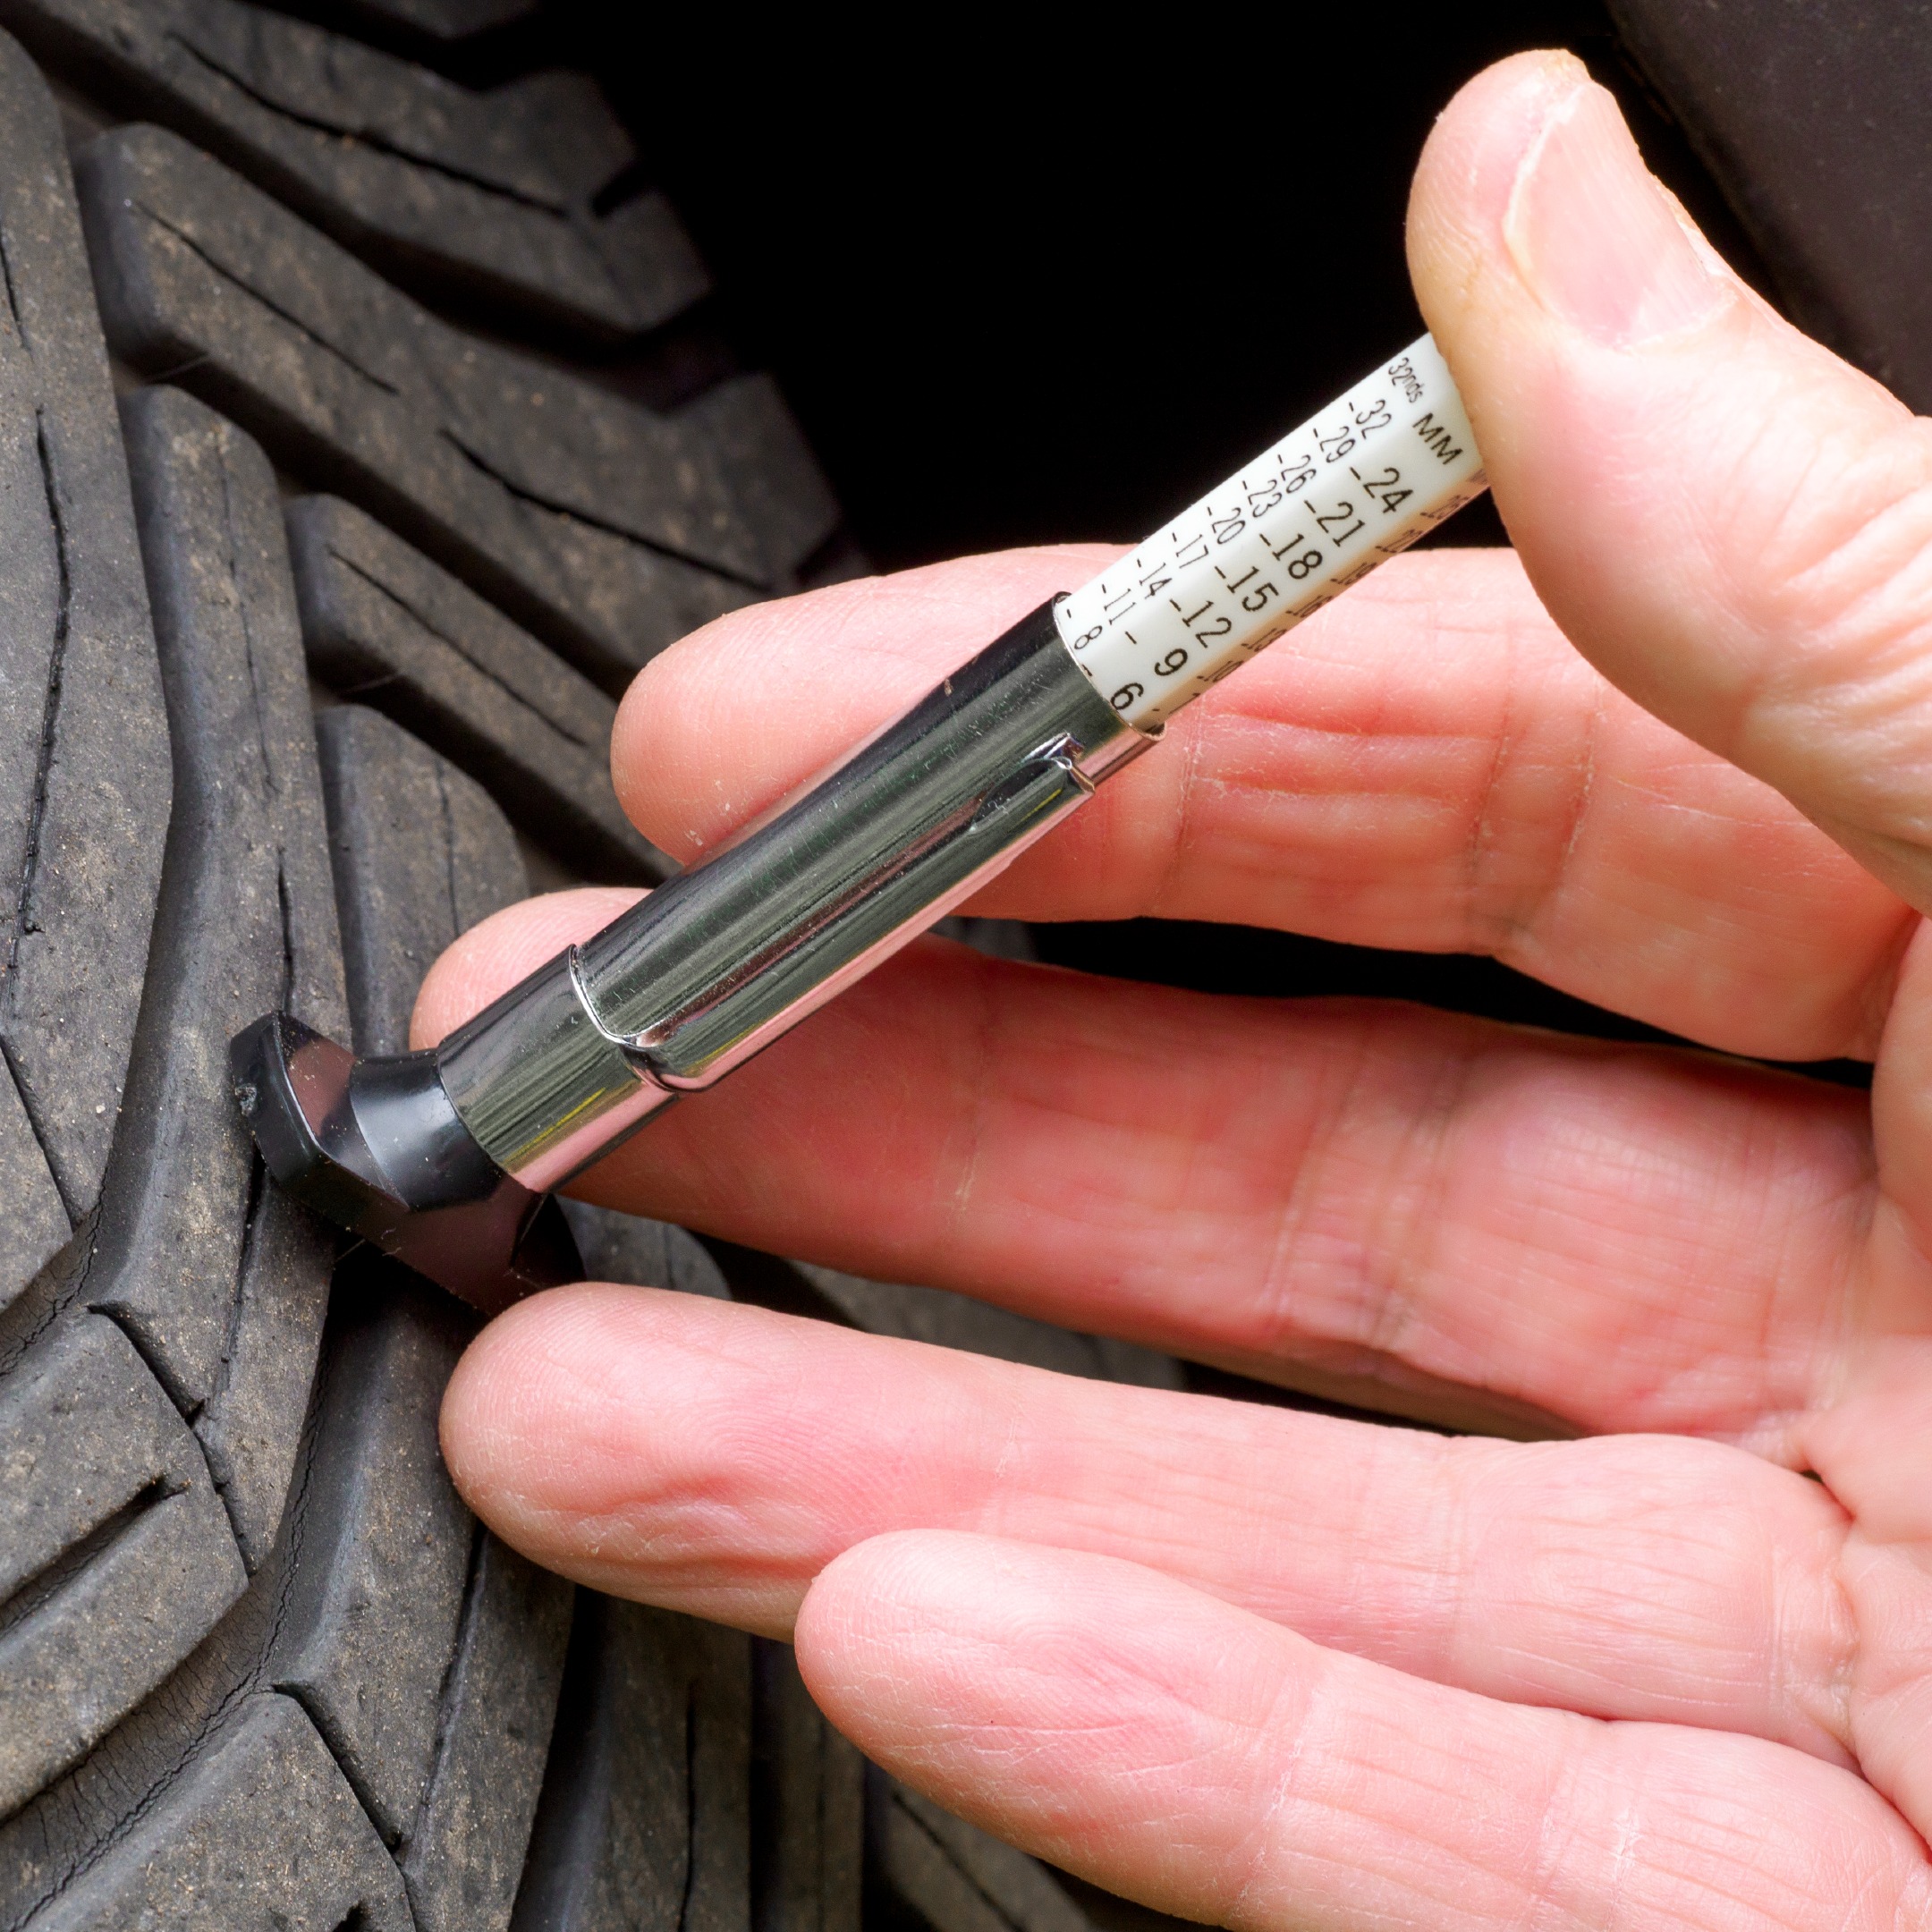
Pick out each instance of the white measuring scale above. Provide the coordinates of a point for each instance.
(1378, 467)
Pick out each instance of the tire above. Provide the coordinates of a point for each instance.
(315, 601)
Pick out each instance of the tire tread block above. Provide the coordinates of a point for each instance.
(775, 479)
(644, 1821)
(429, 1654)
(808, 1806)
(483, 197)
(251, 1426)
(36, 1227)
(464, 1854)
(223, 1282)
(55, 1841)
(483, 1790)
(421, 855)
(261, 1829)
(373, 1615)
(442, 19)
(954, 1877)
(605, 528)
(115, 1555)
(84, 776)
(385, 625)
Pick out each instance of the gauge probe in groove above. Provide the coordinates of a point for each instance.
(445, 1159)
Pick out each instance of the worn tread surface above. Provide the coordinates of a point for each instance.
(606, 528)
(949, 1875)
(497, 1708)
(378, 1702)
(957, 1321)
(84, 776)
(398, 1650)
(115, 1556)
(808, 1806)
(222, 1280)
(217, 1285)
(387, 628)
(421, 853)
(258, 1665)
(369, 1632)
(215, 1281)
(646, 1816)
(484, 197)
(263, 1833)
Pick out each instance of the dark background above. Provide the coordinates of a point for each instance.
(957, 250)
(960, 253)
(1023, 283)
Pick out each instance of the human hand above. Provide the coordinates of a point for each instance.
(1270, 1668)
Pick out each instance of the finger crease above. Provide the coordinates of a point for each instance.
(1477, 856)
(1581, 793)
(1187, 779)
(1553, 1881)
(1838, 1682)
(1277, 1325)
(1398, 1274)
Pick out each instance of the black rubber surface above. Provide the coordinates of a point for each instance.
(84, 776)
(491, 199)
(1812, 119)
(608, 530)
(308, 651)
(388, 627)
(933, 1871)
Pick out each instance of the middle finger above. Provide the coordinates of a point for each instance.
(1323, 1192)
(1634, 1577)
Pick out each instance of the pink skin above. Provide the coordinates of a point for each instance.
(1263, 1667)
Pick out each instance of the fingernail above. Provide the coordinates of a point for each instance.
(1597, 239)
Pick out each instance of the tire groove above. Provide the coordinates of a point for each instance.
(46, 1583)
(363, 137)
(446, 1691)
(954, 1864)
(575, 513)
(184, 1406)
(50, 714)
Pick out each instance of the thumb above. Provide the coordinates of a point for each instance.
(1735, 526)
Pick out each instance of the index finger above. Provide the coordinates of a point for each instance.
(1425, 765)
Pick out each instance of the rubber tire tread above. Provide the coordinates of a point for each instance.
(263, 1665)
(494, 201)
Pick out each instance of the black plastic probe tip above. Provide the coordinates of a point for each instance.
(376, 1146)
